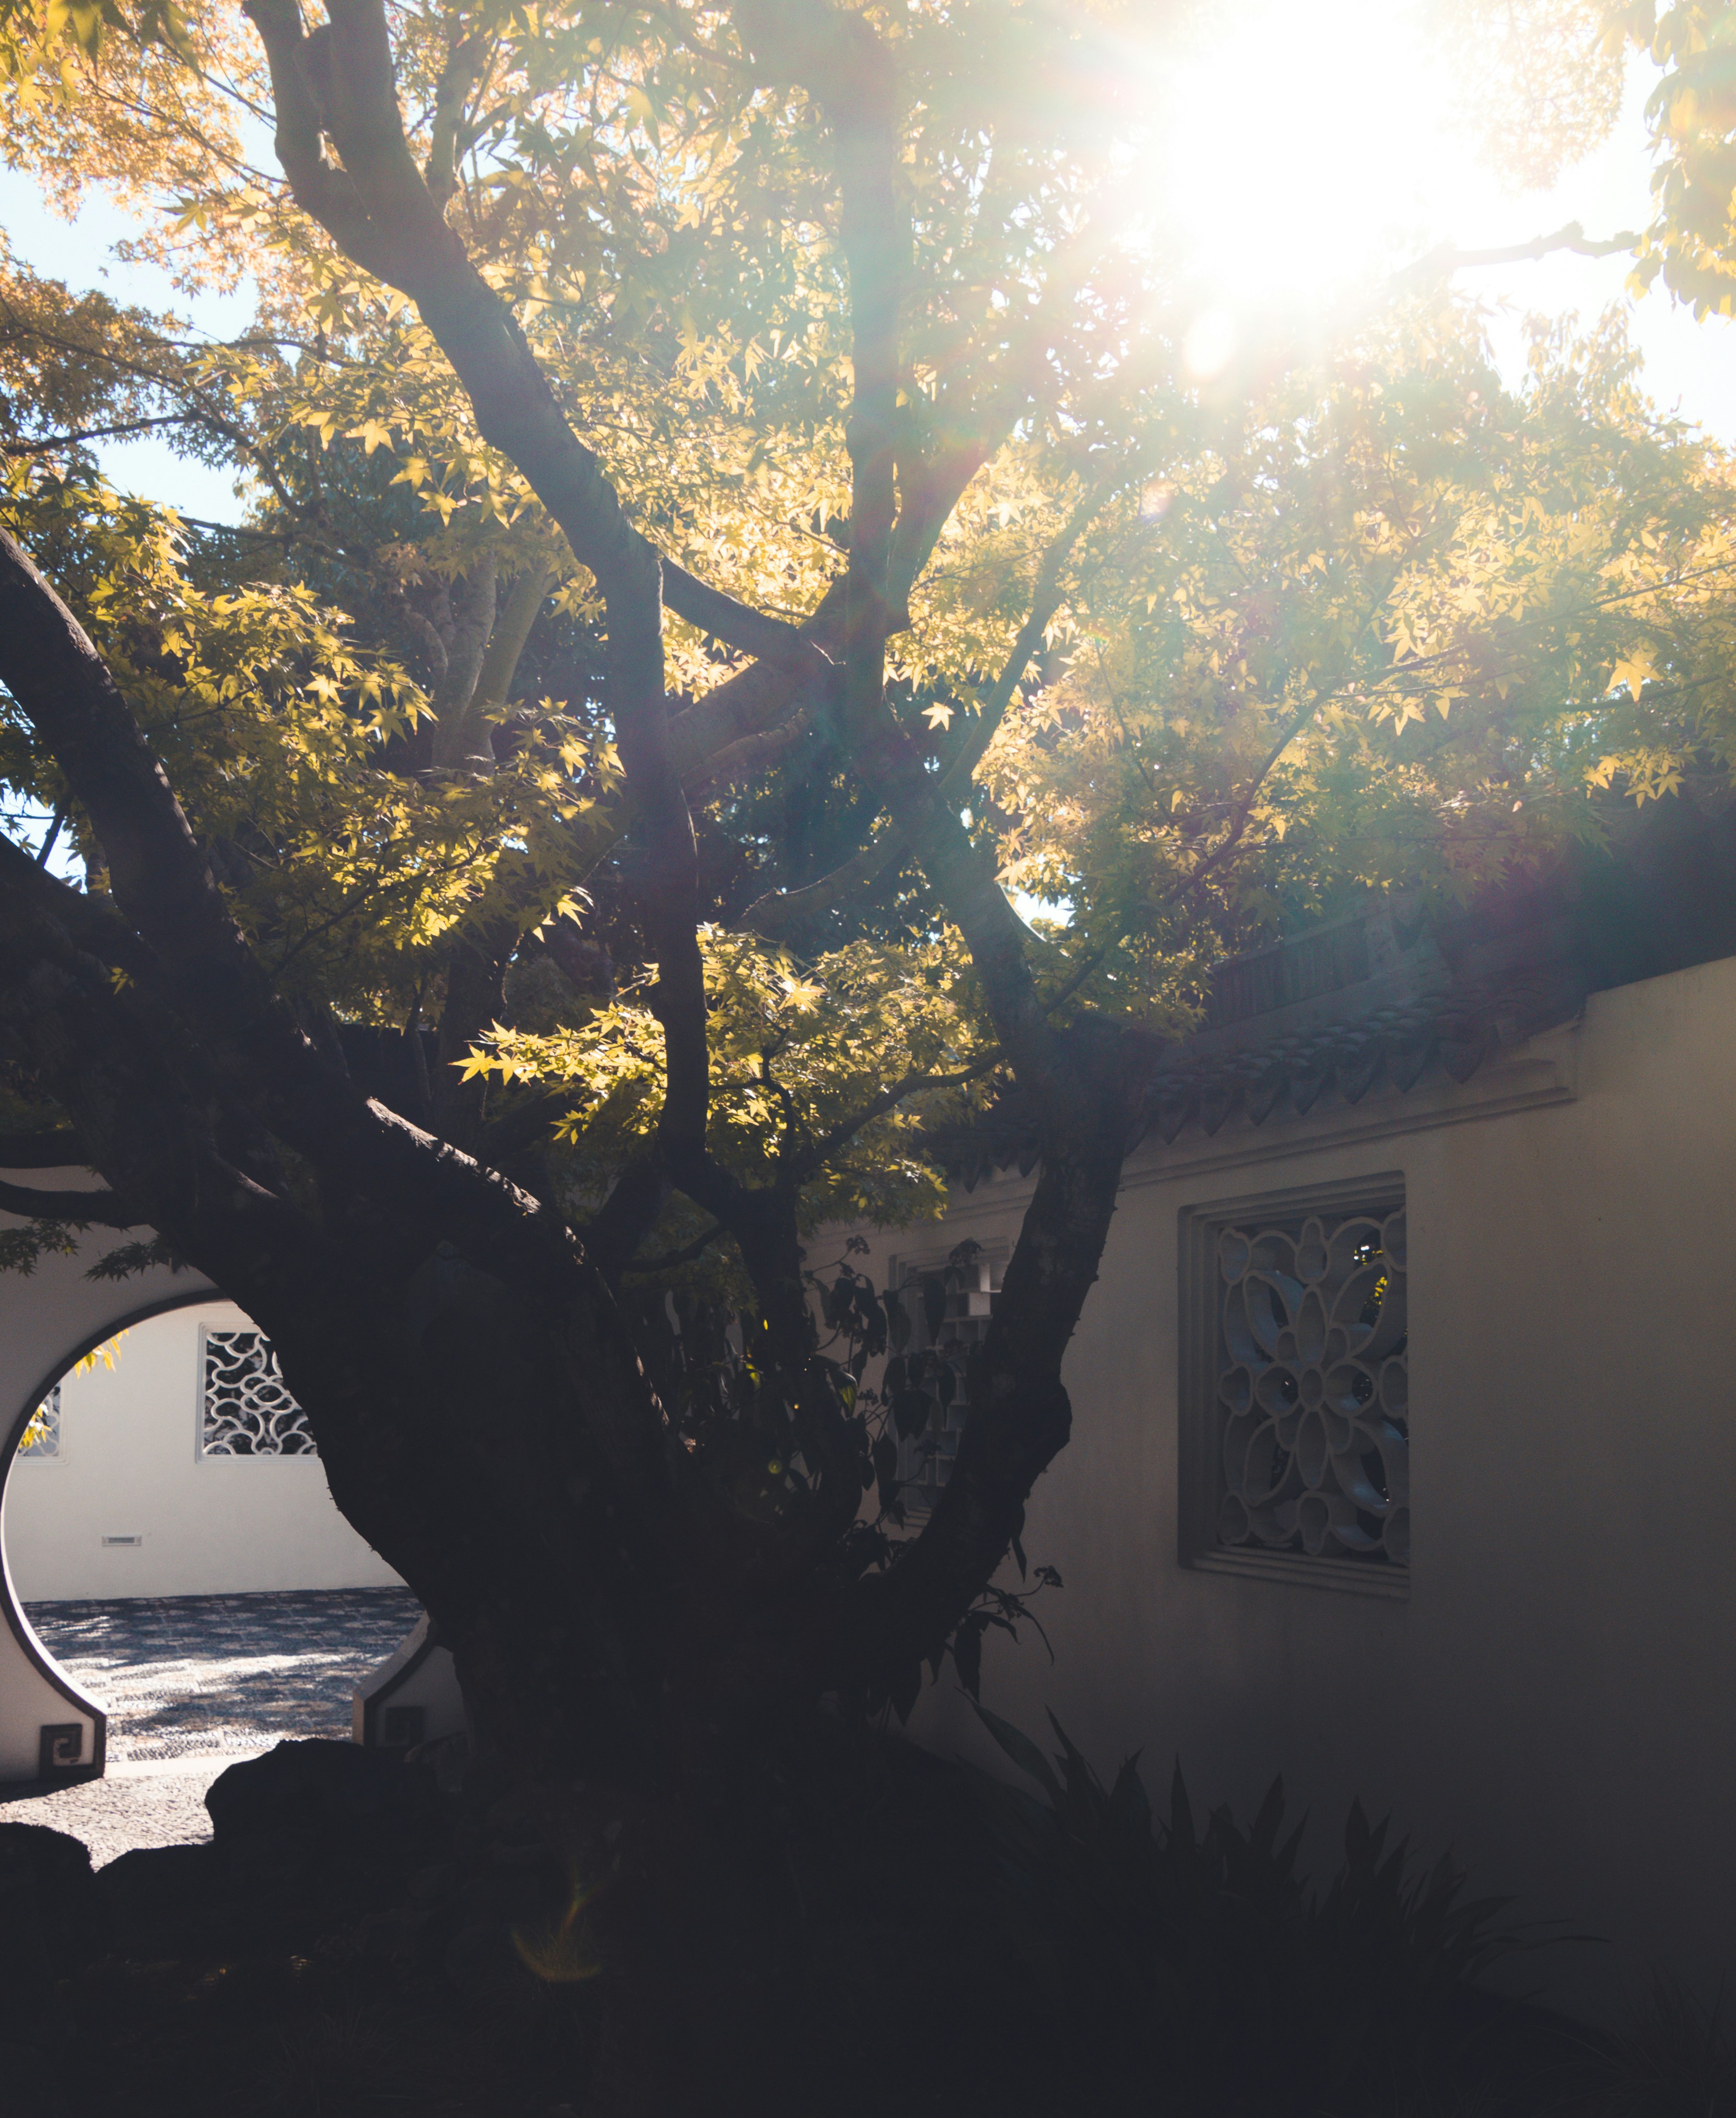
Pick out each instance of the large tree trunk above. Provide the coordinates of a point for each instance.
(484, 1417)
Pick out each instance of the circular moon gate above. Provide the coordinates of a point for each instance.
(51, 1734)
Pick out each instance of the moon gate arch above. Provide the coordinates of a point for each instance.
(51, 1733)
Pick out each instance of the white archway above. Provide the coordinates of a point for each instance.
(51, 1733)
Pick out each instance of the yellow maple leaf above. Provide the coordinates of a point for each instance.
(1633, 671)
(373, 434)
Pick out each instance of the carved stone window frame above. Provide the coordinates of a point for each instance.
(293, 1418)
(966, 1321)
(1201, 1477)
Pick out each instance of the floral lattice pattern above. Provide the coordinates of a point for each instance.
(949, 1311)
(42, 1437)
(1313, 1388)
(247, 1409)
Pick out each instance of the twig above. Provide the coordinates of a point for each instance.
(1446, 258)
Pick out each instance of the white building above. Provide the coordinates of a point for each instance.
(1403, 1448)
(1403, 1453)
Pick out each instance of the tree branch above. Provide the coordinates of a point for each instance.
(91, 434)
(740, 762)
(458, 76)
(505, 649)
(671, 1260)
(192, 949)
(102, 1209)
(1047, 598)
(849, 71)
(472, 600)
(777, 910)
(816, 1156)
(1445, 259)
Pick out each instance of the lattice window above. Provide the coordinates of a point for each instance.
(1312, 1387)
(42, 1437)
(949, 1305)
(246, 1409)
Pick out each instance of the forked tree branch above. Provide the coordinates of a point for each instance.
(340, 82)
(769, 914)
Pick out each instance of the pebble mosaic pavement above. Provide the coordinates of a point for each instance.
(191, 1683)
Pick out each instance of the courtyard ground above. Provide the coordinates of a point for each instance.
(191, 1683)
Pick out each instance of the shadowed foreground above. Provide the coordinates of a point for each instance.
(863, 1930)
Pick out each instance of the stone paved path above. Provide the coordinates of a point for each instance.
(193, 1682)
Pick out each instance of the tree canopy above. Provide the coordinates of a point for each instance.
(739, 503)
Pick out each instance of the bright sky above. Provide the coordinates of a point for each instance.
(1313, 142)
(81, 254)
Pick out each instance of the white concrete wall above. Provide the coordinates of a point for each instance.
(1556, 1696)
(130, 1465)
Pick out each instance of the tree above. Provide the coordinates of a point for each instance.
(767, 432)
(1691, 241)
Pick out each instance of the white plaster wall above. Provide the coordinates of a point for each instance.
(130, 1465)
(1557, 1697)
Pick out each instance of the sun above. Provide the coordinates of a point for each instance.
(1299, 146)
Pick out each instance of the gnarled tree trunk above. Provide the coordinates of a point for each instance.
(484, 1416)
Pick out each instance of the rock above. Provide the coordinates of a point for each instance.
(153, 1887)
(301, 1802)
(48, 1909)
(315, 1835)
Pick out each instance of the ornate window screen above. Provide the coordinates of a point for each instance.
(1312, 1398)
(42, 1437)
(245, 1409)
(949, 1307)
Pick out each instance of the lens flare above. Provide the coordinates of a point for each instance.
(566, 1953)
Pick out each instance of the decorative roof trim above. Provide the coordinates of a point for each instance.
(1417, 1016)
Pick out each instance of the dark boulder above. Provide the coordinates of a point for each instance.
(323, 1786)
(322, 1815)
(48, 1919)
(152, 1898)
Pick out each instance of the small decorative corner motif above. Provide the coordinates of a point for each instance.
(402, 1727)
(60, 1748)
